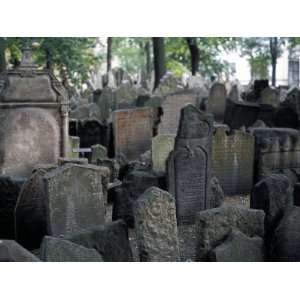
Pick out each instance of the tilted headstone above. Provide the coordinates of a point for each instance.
(189, 165)
(61, 250)
(156, 226)
(75, 199)
(133, 130)
(162, 145)
(217, 101)
(171, 107)
(33, 118)
(276, 150)
(233, 160)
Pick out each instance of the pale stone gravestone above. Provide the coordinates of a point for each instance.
(33, 118)
(105, 104)
(171, 107)
(74, 143)
(162, 145)
(217, 101)
(61, 250)
(276, 150)
(125, 96)
(156, 226)
(270, 96)
(189, 165)
(98, 152)
(233, 160)
(133, 130)
(234, 93)
(75, 199)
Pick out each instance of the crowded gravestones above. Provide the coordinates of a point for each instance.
(169, 170)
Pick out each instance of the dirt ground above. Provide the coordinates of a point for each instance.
(186, 234)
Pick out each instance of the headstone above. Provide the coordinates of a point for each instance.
(162, 145)
(285, 245)
(77, 161)
(171, 107)
(132, 131)
(98, 152)
(189, 164)
(105, 104)
(239, 114)
(259, 86)
(270, 96)
(286, 117)
(239, 248)
(33, 118)
(10, 251)
(168, 84)
(112, 165)
(233, 160)
(110, 240)
(125, 96)
(217, 101)
(75, 199)
(74, 143)
(214, 225)
(234, 93)
(216, 193)
(9, 192)
(61, 250)
(276, 150)
(156, 226)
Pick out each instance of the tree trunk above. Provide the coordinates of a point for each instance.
(159, 59)
(48, 60)
(2, 55)
(274, 54)
(109, 53)
(194, 51)
(148, 59)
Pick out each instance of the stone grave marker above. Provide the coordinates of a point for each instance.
(98, 152)
(162, 145)
(270, 96)
(189, 164)
(156, 226)
(133, 130)
(75, 199)
(233, 159)
(217, 101)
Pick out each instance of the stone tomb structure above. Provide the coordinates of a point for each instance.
(133, 130)
(217, 101)
(33, 118)
(233, 159)
(171, 107)
(277, 150)
(162, 145)
(189, 164)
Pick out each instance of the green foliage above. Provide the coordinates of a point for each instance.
(71, 58)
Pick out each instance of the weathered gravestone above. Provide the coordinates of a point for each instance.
(162, 145)
(189, 165)
(61, 250)
(133, 130)
(233, 160)
(171, 107)
(293, 100)
(214, 225)
(217, 101)
(286, 117)
(75, 199)
(156, 226)
(276, 150)
(10, 251)
(33, 118)
(98, 152)
(234, 93)
(74, 143)
(259, 86)
(270, 96)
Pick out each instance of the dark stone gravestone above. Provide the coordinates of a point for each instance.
(233, 159)
(267, 114)
(189, 165)
(259, 86)
(9, 192)
(110, 240)
(286, 117)
(217, 101)
(171, 107)
(270, 96)
(133, 129)
(240, 114)
(276, 150)
(33, 118)
(156, 226)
